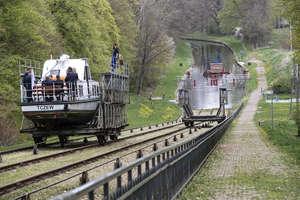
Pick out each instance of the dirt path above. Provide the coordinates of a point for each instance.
(245, 166)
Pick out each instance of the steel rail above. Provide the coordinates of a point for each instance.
(51, 156)
(28, 194)
(54, 143)
(31, 147)
(42, 176)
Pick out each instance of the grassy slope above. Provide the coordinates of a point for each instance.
(284, 134)
(274, 63)
(285, 130)
(142, 111)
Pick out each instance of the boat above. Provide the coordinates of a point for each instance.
(75, 106)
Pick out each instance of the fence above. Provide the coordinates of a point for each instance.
(159, 175)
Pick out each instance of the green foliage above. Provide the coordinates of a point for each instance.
(290, 10)
(29, 30)
(282, 85)
(167, 85)
(229, 16)
(255, 17)
(37, 28)
(278, 68)
(123, 13)
(88, 28)
(280, 39)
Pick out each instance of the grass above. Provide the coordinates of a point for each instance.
(252, 83)
(275, 66)
(285, 130)
(142, 111)
(168, 84)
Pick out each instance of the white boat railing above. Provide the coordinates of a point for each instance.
(56, 93)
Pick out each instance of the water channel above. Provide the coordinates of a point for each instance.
(205, 84)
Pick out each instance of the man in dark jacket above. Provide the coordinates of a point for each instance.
(71, 80)
(59, 88)
(27, 84)
(48, 88)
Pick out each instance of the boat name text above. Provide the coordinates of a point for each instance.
(45, 107)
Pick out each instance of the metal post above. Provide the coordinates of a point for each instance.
(166, 142)
(147, 166)
(175, 138)
(85, 140)
(84, 178)
(118, 164)
(155, 147)
(25, 197)
(106, 190)
(139, 154)
(35, 150)
(294, 72)
(129, 176)
(158, 159)
(272, 126)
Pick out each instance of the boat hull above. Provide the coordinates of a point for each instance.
(60, 114)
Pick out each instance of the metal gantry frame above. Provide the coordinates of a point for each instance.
(111, 113)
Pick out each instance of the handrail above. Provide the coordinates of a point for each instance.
(89, 187)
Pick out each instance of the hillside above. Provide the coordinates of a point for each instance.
(39, 28)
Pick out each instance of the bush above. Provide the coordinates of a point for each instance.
(281, 85)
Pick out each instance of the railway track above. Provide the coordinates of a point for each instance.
(105, 167)
(9, 167)
(42, 176)
(73, 140)
(32, 146)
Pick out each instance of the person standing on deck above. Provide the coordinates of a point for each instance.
(68, 80)
(27, 83)
(74, 80)
(114, 57)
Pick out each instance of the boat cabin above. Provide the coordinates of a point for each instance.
(62, 79)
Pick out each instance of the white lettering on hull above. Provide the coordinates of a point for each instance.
(42, 108)
(45, 107)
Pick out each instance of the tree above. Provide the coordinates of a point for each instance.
(88, 28)
(155, 48)
(254, 16)
(123, 12)
(291, 10)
